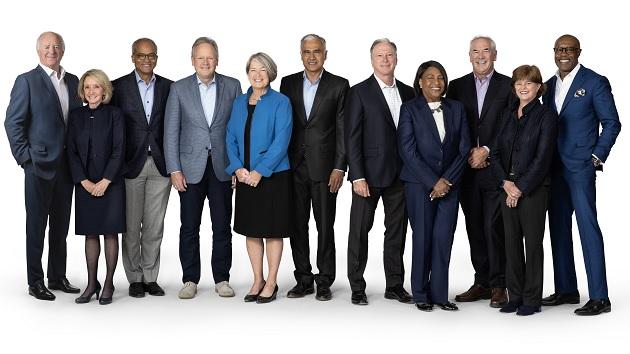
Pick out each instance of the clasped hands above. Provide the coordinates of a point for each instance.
(478, 157)
(440, 189)
(96, 189)
(251, 178)
(513, 194)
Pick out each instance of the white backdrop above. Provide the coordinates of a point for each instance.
(99, 35)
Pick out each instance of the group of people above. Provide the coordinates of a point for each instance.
(485, 140)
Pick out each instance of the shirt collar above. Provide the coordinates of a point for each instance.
(138, 78)
(383, 85)
(569, 75)
(319, 77)
(50, 71)
(199, 82)
(488, 77)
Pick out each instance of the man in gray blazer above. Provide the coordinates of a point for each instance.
(36, 127)
(197, 111)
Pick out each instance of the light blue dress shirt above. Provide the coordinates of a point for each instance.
(208, 95)
(146, 94)
(309, 90)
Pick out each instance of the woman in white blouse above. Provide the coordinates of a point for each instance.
(433, 141)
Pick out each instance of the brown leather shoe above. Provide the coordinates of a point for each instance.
(499, 298)
(476, 292)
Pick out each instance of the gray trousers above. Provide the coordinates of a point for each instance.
(146, 198)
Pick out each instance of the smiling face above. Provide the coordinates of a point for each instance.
(482, 56)
(526, 90)
(145, 58)
(205, 61)
(432, 84)
(93, 92)
(567, 51)
(257, 75)
(313, 55)
(384, 60)
(50, 50)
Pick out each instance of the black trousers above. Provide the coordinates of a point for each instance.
(524, 271)
(484, 225)
(361, 221)
(305, 192)
(219, 196)
(48, 202)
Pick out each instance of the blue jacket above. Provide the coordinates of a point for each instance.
(269, 137)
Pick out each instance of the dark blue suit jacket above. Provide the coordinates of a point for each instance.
(588, 104)
(141, 134)
(34, 122)
(425, 158)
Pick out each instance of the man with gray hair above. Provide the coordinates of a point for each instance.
(36, 122)
(371, 119)
(318, 161)
(197, 112)
(485, 94)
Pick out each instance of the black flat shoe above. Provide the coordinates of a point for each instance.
(64, 285)
(510, 307)
(86, 297)
(40, 291)
(448, 306)
(423, 306)
(594, 307)
(525, 310)
(266, 299)
(359, 298)
(556, 299)
(107, 300)
(253, 297)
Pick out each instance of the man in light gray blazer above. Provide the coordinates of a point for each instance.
(197, 112)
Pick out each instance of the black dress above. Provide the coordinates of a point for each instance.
(96, 151)
(262, 211)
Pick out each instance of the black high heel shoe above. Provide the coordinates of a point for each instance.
(253, 297)
(265, 299)
(84, 299)
(107, 300)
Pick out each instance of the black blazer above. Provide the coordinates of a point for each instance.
(319, 139)
(483, 128)
(140, 134)
(529, 142)
(370, 134)
(99, 140)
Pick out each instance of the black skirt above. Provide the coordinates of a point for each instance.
(264, 211)
(100, 215)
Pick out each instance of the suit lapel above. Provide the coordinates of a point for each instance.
(298, 87)
(52, 91)
(321, 90)
(157, 94)
(219, 85)
(378, 93)
(575, 85)
(425, 113)
(132, 85)
(196, 102)
(471, 97)
(447, 115)
(493, 87)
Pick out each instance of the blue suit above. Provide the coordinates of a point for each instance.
(589, 104)
(426, 159)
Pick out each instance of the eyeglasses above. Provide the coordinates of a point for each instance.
(143, 56)
(566, 50)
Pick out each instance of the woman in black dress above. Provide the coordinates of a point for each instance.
(257, 140)
(95, 154)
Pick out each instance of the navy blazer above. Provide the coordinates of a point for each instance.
(425, 158)
(34, 123)
(370, 134)
(269, 136)
(588, 104)
(141, 134)
(106, 149)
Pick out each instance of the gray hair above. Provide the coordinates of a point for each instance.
(312, 37)
(136, 43)
(266, 61)
(206, 40)
(493, 45)
(59, 37)
(383, 40)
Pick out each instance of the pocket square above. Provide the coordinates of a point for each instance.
(580, 93)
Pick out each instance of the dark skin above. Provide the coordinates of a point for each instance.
(566, 53)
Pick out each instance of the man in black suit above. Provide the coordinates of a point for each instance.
(142, 95)
(36, 121)
(317, 157)
(371, 118)
(485, 94)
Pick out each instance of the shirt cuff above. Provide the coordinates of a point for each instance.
(358, 180)
(487, 148)
(342, 171)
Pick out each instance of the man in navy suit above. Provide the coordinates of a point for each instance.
(197, 112)
(371, 119)
(584, 102)
(141, 95)
(36, 127)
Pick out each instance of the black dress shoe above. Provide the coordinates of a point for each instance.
(556, 299)
(266, 299)
(106, 300)
(526, 310)
(253, 297)
(40, 291)
(424, 306)
(359, 298)
(300, 290)
(64, 285)
(448, 306)
(154, 289)
(323, 293)
(510, 307)
(136, 289)
(594, 307)
(398, 293)
(86, 297)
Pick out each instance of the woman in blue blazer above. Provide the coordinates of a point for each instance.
(257, 141)
(433, 143)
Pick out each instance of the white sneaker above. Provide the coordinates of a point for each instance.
(224, 289)
(188, 291)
